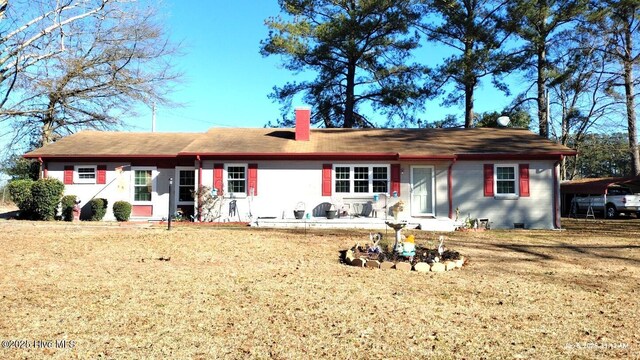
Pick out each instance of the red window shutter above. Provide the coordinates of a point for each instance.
(488, 179)
(101, 177)
(253, 179)
(524, 180)
(217, 177)
(326, 179)
(68, 175)
(395, 179)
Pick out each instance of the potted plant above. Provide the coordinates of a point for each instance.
(331, 212)
(298, 212)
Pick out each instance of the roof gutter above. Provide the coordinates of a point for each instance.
(516, 156)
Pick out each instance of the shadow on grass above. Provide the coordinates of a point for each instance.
(546, 252)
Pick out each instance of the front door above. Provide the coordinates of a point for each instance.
(185, 186)
(421, 190)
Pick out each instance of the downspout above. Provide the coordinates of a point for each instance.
(556, 190)
(450, 187)
(199, 187)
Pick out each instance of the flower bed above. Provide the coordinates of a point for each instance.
(424, 260)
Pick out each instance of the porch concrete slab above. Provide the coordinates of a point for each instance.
(431, 224)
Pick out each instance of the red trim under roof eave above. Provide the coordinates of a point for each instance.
(100, 156)
(522, 156)
(296, 156)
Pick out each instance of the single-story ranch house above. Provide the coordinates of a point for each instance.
(508, 176)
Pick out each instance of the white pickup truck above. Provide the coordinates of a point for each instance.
(618, 199)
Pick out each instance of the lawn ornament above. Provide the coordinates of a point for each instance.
(441, 248)
(409, 247)
(375, 240)
(76, 211)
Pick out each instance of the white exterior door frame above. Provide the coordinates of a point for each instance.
(176, 191)
(422, 186)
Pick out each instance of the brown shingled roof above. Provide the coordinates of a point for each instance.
(238, 141)
(107, 144)
(397, 141)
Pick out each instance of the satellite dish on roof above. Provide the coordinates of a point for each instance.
(503, 121)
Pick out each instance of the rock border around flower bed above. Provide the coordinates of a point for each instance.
(424, 267)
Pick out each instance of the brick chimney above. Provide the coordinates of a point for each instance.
(303, 123)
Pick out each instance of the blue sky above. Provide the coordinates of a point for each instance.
(227, 80)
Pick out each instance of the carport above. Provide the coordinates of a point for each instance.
(593, 187)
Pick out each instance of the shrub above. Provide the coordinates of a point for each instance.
(98, 208)
(67, 203)
(20, 192)
(45, 197)
(122, 210)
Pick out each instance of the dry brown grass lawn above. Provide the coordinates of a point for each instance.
(243, 292)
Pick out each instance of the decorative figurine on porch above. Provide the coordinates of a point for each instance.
(397, 208)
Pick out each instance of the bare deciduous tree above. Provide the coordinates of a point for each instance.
(89, 69)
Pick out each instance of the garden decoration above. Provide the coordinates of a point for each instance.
(298, 212)
(375, 240)
(76, 211)
(397, 208)
(409, 247)
(404, 256)
(397, 226)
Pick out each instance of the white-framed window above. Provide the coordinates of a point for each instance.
(235, 176)
(84, 174)
(143, 182)
(360, 179)
(506, 180)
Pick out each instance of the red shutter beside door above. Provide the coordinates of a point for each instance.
(488, 179)
(101, 176)
(524, 180)
(217, 177)
(68, 175)
(395, 179)
(253, 179)
(326, 179)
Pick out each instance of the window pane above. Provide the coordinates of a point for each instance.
(380, 173)
(505, 173)
(184, 193)
(236, 179)
(506, 187)
(361, 176)
(186, 185)
(342, 186)
(235, 172)
(142, 193)
(187, 177)
(143, 177)
(380, 180)
(236, 186)
(86, 173)
(142, 185)
(360, 172)
(342, 172)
